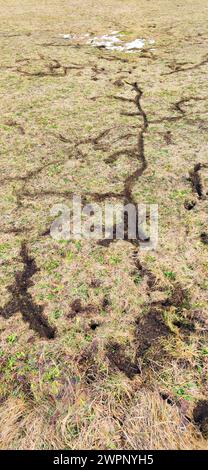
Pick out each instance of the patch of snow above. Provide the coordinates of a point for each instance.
(110, 38)
(67, 36)
(107, 41)
(112, 41)
(137, 44)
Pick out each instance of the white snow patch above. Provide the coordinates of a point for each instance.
(108, 41)
(137, 44)
(67, 36)
(113, 43)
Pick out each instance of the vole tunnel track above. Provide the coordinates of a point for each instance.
(22, 300)
(49, 67)
(196, 180)
(178, 67)
(138, 152)
(53, 68)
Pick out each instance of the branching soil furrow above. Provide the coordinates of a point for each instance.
(22, 300)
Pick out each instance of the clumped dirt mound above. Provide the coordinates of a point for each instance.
(119, 360)
(149, 330)
(177, 297)
(200, 415)
(153, 326)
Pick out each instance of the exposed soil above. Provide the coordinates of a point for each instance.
(25, 386)
(200, 415)
(151, 327)
(118, 359)
(94, 325)
(143, 271)
(88, 353)
(178, 68)
(138, 153)
(88, 364)
(177, 298)
(149, 330)
(77, 309)
(196, 181)
(204, 238)
(53, 69)
(22, 300)
(189, 204)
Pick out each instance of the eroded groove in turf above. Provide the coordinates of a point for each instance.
(53, 69)
(138, 152)
(196, 180)
(22, 300)
(178, 69)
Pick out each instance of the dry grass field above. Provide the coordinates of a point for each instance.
(103, 346)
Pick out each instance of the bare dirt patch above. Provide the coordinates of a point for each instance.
(118, 359)
(22, 299)
(149, 330)
(200, 415)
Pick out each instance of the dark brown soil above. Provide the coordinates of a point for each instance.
(149, 329)
(138, 152)
(95, 283)
(200, 415)
(168, 137)
(22, 300)
(13, 123)
(77, 309)
(204, 238)
(189, 205)
(196, 181)
(106, 302)
(25, 386)
(94, 325)
(177, 298)
(119, 360)
(88, 364)
(88, 353)
(143, 271)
